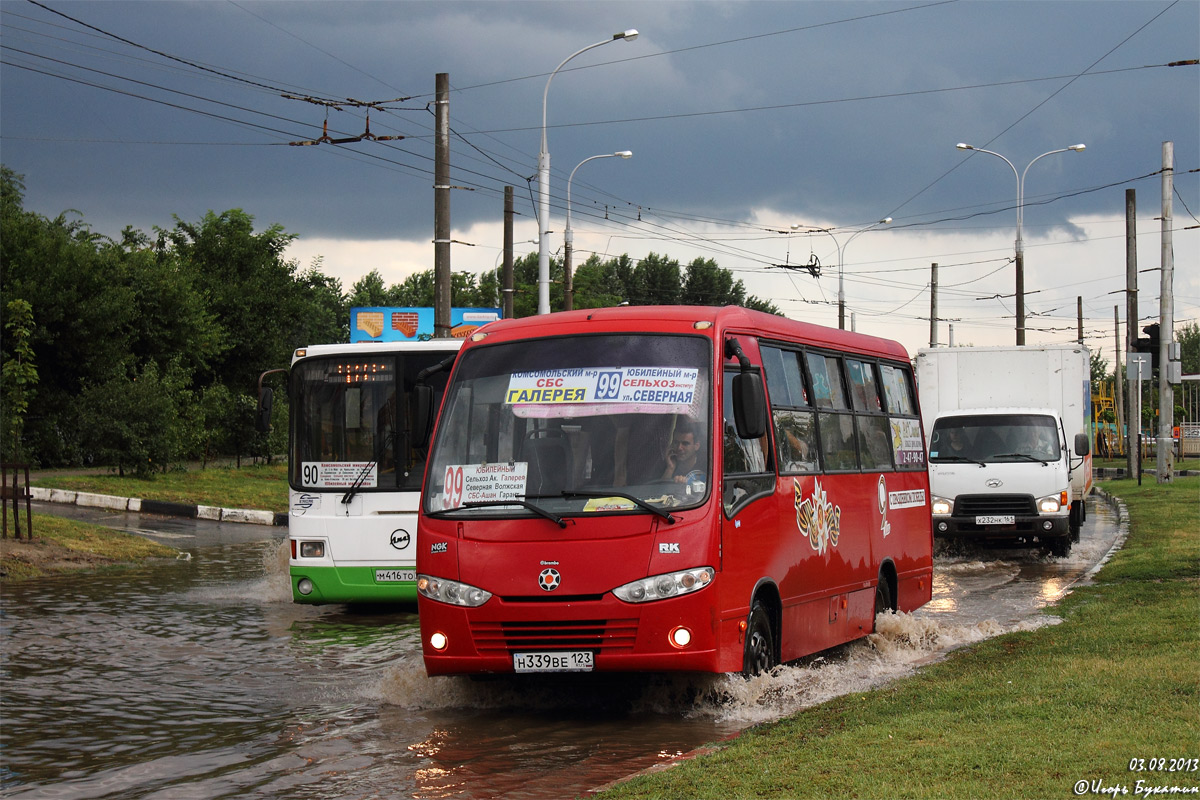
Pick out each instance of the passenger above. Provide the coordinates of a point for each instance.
(683, 453)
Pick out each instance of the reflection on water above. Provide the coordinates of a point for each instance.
(200, 678)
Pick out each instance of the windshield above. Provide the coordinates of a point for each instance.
(581, 424)
(351, 421)
(995, 438)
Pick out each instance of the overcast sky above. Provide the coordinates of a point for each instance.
(745, 119)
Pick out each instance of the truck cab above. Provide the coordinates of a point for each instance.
(1004, 475)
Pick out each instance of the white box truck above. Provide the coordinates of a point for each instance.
(1008, 436)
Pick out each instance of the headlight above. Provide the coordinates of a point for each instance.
(941, 506)
(659, 587)
(452, 592)
(1051, 504)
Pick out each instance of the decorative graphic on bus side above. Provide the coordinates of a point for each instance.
(817, 518)
(885, 527)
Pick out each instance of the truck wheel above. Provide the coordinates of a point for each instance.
(1060, 547)
(759, 656)
(1075, 520)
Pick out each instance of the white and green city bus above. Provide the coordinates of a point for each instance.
(356, 464)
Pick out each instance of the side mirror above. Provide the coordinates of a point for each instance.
(749, 405)
(422, 414)
(262, 417)
(1082, 447)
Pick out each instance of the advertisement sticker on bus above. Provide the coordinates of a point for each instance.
(674, 386)
(907, 442)
(477, 483)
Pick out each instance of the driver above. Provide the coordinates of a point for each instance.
(682, 454)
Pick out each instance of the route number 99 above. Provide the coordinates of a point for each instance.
(608, 385)
(453, 490)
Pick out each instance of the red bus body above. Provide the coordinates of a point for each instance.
(818, 545)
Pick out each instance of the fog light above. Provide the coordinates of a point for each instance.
(304, 586)
(438, 641)
(681, 637)
(943, 527)
(312, 549)
(1047, 525)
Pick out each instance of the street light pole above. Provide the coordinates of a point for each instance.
(841, 276)
(1020, 244)
(544, 181)
(568, 234)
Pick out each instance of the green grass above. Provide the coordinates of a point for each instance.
(261, 487)
(1022, 715)
(61, 545)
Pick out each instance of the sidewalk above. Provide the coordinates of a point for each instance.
(163, 507)
(139, 506)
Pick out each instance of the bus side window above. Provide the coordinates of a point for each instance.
(874, 443)
(795, 431)
(902, 417)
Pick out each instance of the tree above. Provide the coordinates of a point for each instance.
(1188, 336)
(369, 291)
(1099, 368)
(18, 378)
(134, 422)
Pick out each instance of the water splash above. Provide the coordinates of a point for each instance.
(902, 643)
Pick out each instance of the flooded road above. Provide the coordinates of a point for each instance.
(199, 678)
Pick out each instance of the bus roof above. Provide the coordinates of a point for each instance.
(376, 348)
(682, 319)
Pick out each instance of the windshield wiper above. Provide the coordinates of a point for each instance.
(541, 512)
(384, 443)
(635, 500)
(958, 458)
(1025, 456)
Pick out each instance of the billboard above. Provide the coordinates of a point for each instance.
(386, 324)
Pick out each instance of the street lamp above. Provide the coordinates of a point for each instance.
(841, 276)
(544, 182)
(1020, 245)
(568, 234)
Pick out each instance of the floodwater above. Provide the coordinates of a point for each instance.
(198, 678)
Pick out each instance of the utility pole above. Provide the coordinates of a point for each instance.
(1166, 325)
(506, 292)
(441, 209)
(933, 306)
(1079, 315)
(1132, 455)
(1117, 387)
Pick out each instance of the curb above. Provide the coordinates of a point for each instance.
(163, 507)
(1104, 473)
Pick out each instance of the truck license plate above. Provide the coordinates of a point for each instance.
(558, 661)
(393, 575)
(1005, 519)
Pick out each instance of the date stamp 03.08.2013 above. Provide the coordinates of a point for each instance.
(1148, 777)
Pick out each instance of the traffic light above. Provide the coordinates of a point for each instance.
(1149, 344)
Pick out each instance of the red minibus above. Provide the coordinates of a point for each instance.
(668, 488)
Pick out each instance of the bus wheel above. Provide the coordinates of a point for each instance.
(883, 597)
(759, 656)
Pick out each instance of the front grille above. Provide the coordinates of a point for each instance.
(585, 634)
(974, 505)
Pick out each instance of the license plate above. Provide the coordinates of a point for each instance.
(393, 575)
(558, 661)
(1007, 519)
